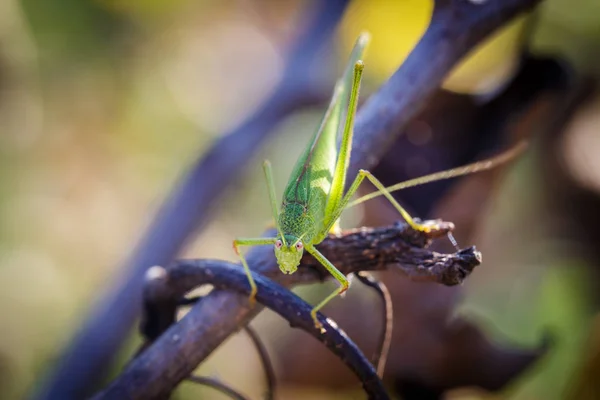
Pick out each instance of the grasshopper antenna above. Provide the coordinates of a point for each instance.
(468, 169)
(385, 338)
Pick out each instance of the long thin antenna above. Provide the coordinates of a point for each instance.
(451, 173)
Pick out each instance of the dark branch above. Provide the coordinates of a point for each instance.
(397, 247)
(156, 371)
(183, 277)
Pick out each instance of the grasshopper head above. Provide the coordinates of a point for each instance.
(289, 253)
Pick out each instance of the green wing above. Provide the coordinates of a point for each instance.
(312, 176)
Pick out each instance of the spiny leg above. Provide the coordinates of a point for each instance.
(250, 242)
(343, 159)
(336, 193)
(362, 174)
(409, 219)
(341, 278)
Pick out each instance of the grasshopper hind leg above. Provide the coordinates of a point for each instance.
(418, 226)
(362, 174)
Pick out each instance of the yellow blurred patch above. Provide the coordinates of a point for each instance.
(490, 64)
(397, 26)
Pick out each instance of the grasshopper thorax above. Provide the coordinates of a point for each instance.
(288, 251)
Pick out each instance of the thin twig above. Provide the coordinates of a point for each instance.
(265, 360)
(385, 339)
(263, 354)
(217, 385)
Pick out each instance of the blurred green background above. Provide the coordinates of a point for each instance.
(105, 103)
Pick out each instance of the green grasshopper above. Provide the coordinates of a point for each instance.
(314, 197)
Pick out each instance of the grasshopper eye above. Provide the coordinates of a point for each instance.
(299, 246)
(278, 244)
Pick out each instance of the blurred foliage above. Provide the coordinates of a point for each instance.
(69, 30)
(569, 29)
(103, 105)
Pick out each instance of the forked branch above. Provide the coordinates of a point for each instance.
(157, 370)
